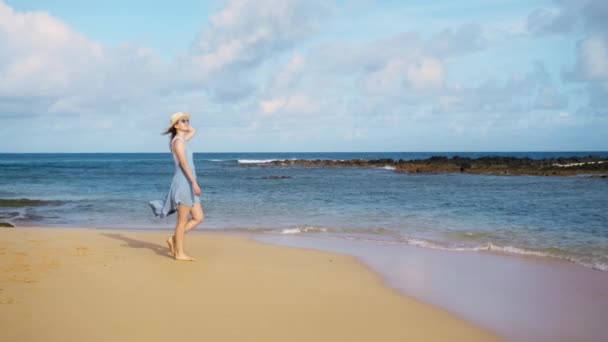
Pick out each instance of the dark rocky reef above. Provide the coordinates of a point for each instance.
(26, 202)
(591, 165)
(277, 177)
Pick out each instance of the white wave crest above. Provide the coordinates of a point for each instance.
(508, 250)
(600, 267)
(597, 264)
(303, 230)
(291, 231)
(513, 250)
(486, 247)
(255, 161)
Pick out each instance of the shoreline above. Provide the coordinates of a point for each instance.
(99, 284)
(515, 297)
(521, 298)
(489, 248)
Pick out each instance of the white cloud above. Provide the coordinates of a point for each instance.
(256, 71)
(406, 75)
(41, 56)
(516, 95)
(586, 18)
(568, 15)
(50, 70)
(246, 33)
(464, 39)
(289, 74)
(46, 62)
(293, 104)
(549, 20)
(398, 76)
(549, 97)
(388, 80)
(428, 73)
(593, 58)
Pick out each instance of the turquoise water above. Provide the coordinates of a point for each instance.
(560, 217)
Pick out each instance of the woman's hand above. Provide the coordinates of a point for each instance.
(190, 133)
(197, 189)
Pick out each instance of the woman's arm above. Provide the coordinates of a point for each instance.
(180, 151)
(190, 133)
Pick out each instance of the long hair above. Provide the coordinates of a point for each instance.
(173, 131)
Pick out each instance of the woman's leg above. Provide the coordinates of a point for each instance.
(197, 216)
(182, 219)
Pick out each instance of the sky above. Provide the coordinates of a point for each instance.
(304, 75)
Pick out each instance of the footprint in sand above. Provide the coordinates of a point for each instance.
(52, 263)
(7, 300)
(31, 240)
(21, 279)
(22, 267)
(82, 251)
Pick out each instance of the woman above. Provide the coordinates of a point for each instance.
(184, 192)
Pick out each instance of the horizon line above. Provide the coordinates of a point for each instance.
(487, 151)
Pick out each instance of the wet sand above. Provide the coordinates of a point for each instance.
(66, 284)
(523, 299)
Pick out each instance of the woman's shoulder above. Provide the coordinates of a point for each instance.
(178, 139)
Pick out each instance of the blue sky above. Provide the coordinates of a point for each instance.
(293, 75)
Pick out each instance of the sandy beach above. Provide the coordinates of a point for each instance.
(105, 285)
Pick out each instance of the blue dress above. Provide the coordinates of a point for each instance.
(180, 191)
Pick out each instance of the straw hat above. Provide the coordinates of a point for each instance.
(176, 116)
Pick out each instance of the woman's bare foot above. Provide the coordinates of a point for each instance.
(171, 246)
(184, 257)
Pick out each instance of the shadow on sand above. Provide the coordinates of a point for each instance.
(133, 243)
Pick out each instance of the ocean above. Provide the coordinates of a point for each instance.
(554, 217)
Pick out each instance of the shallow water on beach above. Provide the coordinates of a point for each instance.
(557, 217)
(519, 299)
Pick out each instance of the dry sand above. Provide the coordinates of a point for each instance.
(65, 284)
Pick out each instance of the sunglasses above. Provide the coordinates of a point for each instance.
(184, 121)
